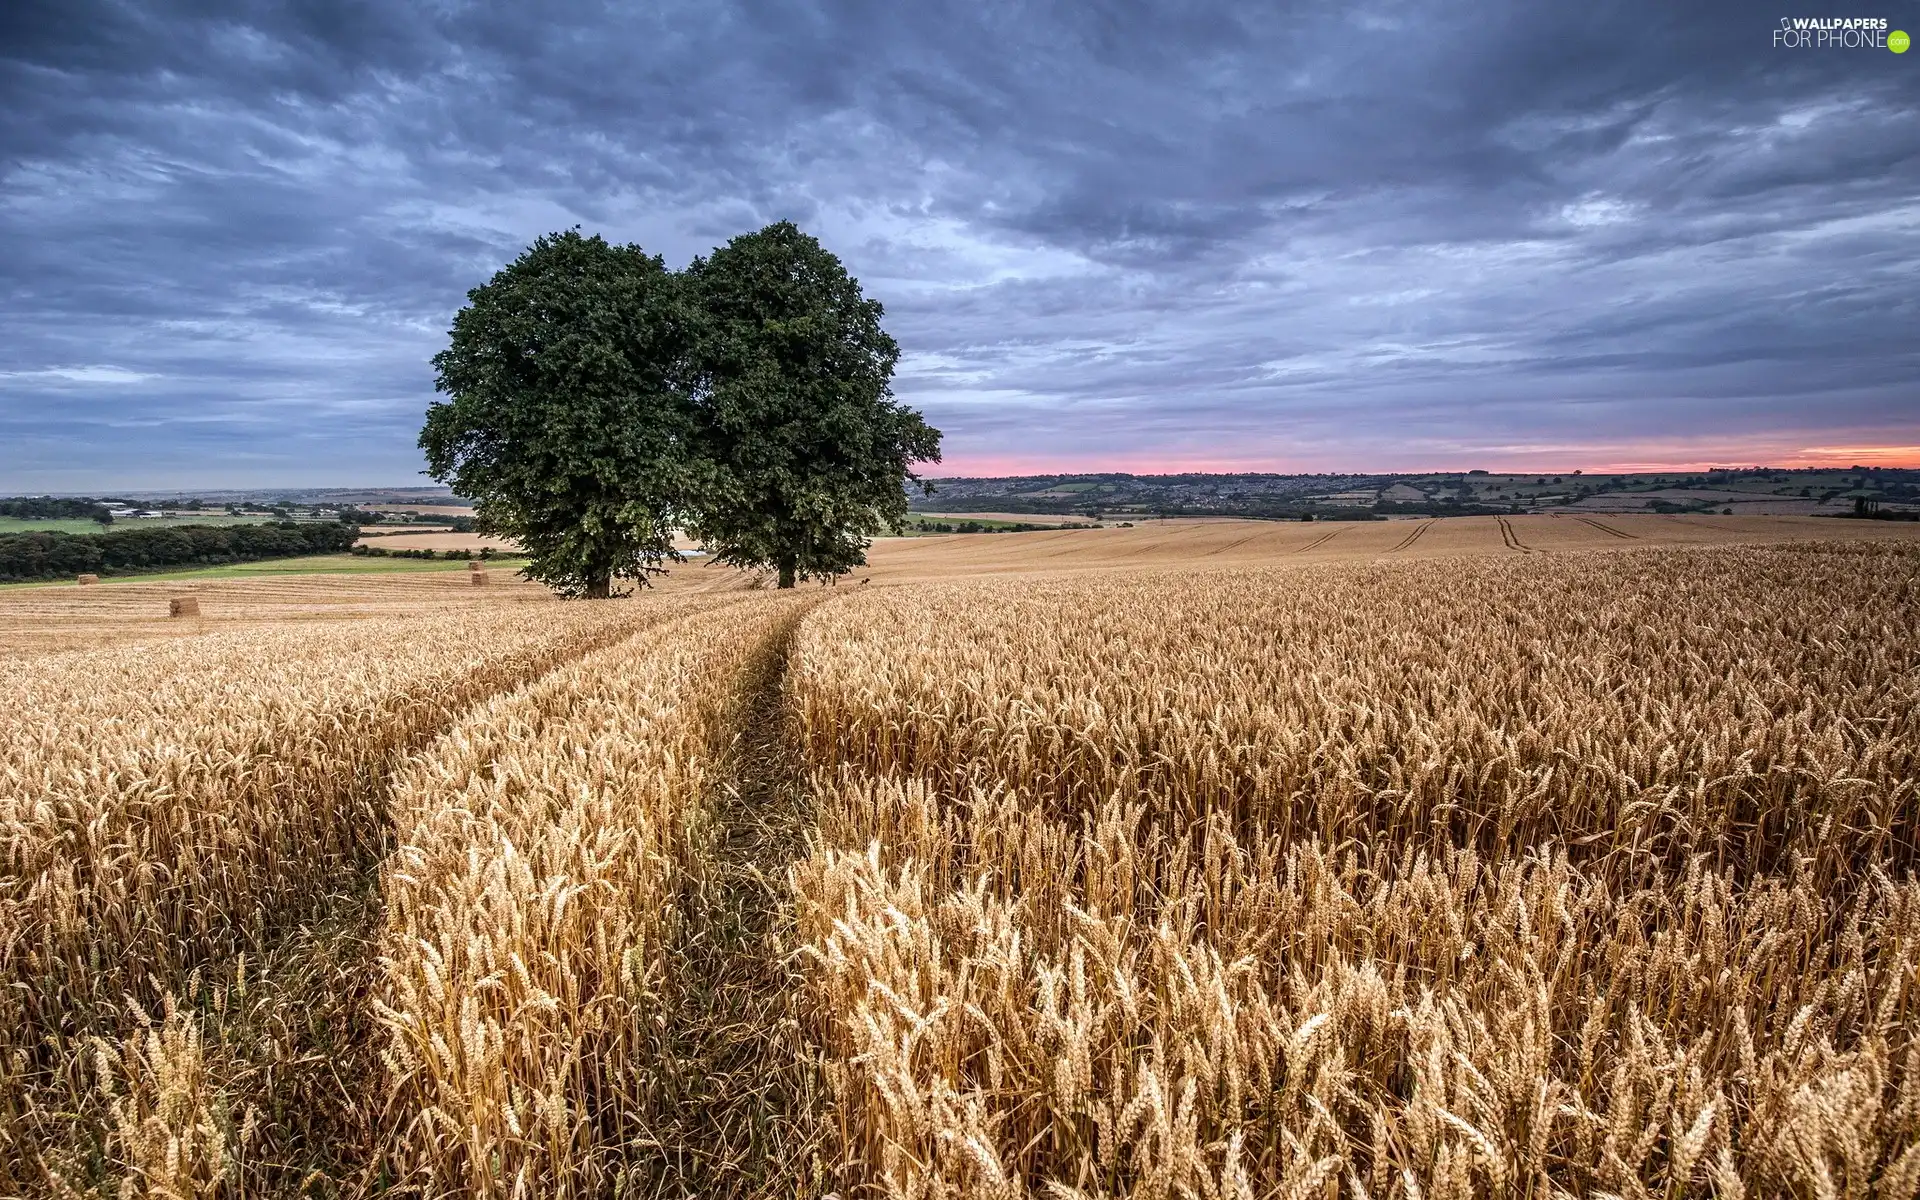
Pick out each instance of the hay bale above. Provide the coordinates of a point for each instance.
(183, 606)
(86, 579)
(479, 577)
(473, 564)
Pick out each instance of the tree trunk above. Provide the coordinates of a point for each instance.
(599, 587)
(786, 572)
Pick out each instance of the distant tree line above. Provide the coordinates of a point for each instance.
(49, 508)
(45, 554)
(1436, 508)
(1868, 509)
(485, 552)
(1281, 510)
(989, 527)
(367, 517)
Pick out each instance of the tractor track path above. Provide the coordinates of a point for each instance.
(1512, 539)
(1320, 541)
(1605, 528)
(1407, 541)
(745, 1099)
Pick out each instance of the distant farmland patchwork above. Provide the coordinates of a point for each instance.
(1730, 491)
(1515, 856)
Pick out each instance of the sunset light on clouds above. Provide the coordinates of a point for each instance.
(1224, 237)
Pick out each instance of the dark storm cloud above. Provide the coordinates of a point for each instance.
(1313, 235)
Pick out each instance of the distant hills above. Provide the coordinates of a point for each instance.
(1751, 491)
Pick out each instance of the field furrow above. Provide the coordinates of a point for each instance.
(168, 813)
(536, 911)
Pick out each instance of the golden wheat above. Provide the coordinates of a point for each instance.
(167, 808)
(1522, 878)
(547, 843)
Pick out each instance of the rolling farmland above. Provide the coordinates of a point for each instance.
(1216, 542)
(1516, 857)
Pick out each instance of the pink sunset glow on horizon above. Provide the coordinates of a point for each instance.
(1556, 460)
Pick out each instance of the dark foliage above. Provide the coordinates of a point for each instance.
(562, 420)
(803, 452)
(48, 508)
(51, 555)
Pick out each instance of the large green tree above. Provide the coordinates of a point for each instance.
(804, 452)
(564, 420)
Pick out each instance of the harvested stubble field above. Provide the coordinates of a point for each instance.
(1451, 870)
(44, 618)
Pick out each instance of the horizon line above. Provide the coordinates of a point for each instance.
(1860, 463)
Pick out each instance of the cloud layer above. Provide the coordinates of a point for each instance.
(1121, 235)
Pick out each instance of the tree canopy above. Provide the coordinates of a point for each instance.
(805, 454)
(565, 424)
(597, 401)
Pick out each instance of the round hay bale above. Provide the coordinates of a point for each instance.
(87, 579)
(183, 606)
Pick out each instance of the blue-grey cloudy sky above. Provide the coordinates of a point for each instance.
(1350, 235)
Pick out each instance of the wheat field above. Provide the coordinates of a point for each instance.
(548, 844)
(1506, 878)
(167, 810)
(1429, 869)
